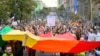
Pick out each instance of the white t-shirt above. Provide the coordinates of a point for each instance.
(91, 36)
(15, 23)
(97, 37)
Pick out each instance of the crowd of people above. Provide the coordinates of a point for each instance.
(83, 32)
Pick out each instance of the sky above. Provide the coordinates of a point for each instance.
(50, 3)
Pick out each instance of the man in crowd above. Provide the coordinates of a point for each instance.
(97, 38)
(8, 51)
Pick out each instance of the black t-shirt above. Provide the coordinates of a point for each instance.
(19, 52)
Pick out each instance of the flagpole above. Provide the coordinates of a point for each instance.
(75, 7)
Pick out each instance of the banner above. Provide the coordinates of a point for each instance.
(51, 20)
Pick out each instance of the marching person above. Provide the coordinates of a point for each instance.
(97, 38)
(8, 51)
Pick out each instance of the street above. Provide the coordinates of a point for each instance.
(46, 54)
(38, 53)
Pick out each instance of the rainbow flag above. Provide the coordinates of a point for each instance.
(59, 44)
(3, 31)
(48, 44)
(7, 33)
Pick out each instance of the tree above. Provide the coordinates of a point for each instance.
(24, 8)
(61, 11)
(45, 11)
(95, 9)
(61, 8)
(4, 9)
(77, 16)
(85, 8)
(96, 1)
(21, 8)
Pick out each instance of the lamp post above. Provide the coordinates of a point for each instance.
(15, 6)
(91, 12)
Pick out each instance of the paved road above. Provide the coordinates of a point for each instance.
(38, 53)
(46, 54)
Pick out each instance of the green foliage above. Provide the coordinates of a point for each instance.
(4, 9)
(77, 16)
(96, 1)
(24, 8)
(94, 4)
(21, 8)
(61, 8)
(44, 11)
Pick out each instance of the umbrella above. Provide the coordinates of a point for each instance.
(7, 33)
(59, 45)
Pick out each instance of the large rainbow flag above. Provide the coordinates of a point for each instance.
(59, 44)
(49, 44)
